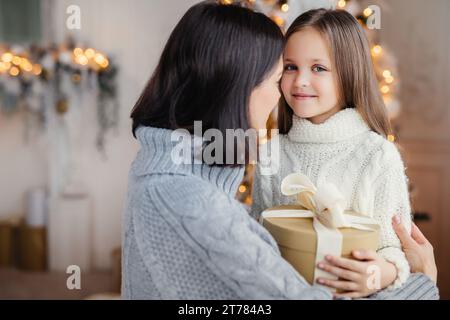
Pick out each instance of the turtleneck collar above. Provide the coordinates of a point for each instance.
(343, 125)
(155, 156)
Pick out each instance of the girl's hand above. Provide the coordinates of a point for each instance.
(355, 277)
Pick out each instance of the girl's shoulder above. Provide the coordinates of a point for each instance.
(386, 149)
(381, 153)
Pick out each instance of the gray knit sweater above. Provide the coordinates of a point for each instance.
(186, 237)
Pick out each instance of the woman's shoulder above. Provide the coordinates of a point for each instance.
(192, 208)
(185, 194)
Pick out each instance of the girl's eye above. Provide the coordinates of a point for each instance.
(318, 69)
(289, 67)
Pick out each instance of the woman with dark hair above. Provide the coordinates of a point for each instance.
(185, 236)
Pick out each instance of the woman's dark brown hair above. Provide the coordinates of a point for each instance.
(350, 56)
(214, 58)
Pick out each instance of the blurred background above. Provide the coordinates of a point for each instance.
(70, 73)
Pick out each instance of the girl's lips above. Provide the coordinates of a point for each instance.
(303, 96)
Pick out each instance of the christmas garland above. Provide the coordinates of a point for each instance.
(26, 74)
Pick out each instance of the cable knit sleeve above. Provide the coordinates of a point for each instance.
(391, 198)
(232, 247)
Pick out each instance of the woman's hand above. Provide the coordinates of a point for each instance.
(417, 248)
(355, 276)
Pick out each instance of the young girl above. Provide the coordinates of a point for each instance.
(333, 127)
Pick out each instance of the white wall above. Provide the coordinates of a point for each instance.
(134, 32)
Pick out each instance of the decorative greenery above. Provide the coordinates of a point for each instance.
(26, 74)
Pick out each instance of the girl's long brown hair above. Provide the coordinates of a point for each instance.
(350, 55)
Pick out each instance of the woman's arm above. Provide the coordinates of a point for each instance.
(215, 229)
(417, 287)
(418, 249)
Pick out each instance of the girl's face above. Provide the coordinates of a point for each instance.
(264, 98)
(308, 83)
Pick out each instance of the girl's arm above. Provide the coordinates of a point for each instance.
(390, 194)
(392, 198)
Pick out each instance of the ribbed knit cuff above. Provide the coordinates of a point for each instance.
(398, 258)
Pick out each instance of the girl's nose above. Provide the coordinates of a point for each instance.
(302, 80)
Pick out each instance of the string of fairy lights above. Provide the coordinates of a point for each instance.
(16, 64)
(28, 75)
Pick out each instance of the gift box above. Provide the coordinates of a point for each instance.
(297, 240)
(317, 225)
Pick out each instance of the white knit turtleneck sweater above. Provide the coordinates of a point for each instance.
(365, 167)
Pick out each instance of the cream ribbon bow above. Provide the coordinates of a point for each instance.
(326, 202)
(326, 205)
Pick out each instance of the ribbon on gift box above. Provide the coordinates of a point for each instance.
(326, 206)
